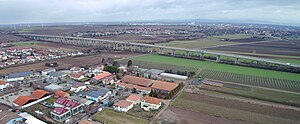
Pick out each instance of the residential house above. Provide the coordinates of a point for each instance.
(103, 77)
(76, 87)
(76, 69)
(134, 98)
(57, 74)
(123, 105)
(150, 103)
(98, 94)
(62, 94)
(47, 71)
(73, 106)
(3, 85)
(76, 76)
(60, 114)
(145, 90)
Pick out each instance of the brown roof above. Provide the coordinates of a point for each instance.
(162, 85)
(40, 93)
(133, 97)
(78, 85)
(75, 75)
(134, 86)
(137, 80)
(61, 93)
(6, 116)
(123, 103)
(2, 82)
(152, 100)
(21, 100)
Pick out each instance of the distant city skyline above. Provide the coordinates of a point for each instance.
(51, 11)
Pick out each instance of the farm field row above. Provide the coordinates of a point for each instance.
(235, 110)
(218, 71)
(286, 98)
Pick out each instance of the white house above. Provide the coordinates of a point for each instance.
(123, 105)
(3, 85)
(150, 103)
(76, 76)
(47, 71)
(78, 87)
(98, 94)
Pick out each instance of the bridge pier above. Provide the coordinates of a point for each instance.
(187, 54)
(201, 55)
(236, 61)
(218, 58)
(161, 51)
(173, 52)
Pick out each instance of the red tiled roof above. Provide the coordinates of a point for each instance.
(162, 85)
(137, 80)
(133, 97)
(151, 100)
(102, 75)
(22, 100)
(61, 93)
(123, 103)
(40, 93)
(75, 75)
(2, 82)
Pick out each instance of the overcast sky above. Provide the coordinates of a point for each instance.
(43, 11)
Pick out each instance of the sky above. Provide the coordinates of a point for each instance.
(50, 11)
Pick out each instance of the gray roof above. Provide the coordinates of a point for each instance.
(56, 74)
(97, 92)
(155, 71)
(49, 69)
(20, 74)
(53, 87)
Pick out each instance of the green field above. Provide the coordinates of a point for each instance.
(257, 93)
(113, 117)
(196, 44)
(27, 43)
(234, 110)
(225, 72)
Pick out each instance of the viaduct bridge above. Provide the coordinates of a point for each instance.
(146, 48)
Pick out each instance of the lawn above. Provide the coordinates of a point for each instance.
(51, 100)
(27, 43)
(233, 110)
(257, 93)
(113, 117)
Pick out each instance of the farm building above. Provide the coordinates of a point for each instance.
(150, 103)
(98, 94)
(144, 82)
(153, 73)
(36, 97)
(173, 76)
(145, 90)
(123, 105)
(164, 88)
